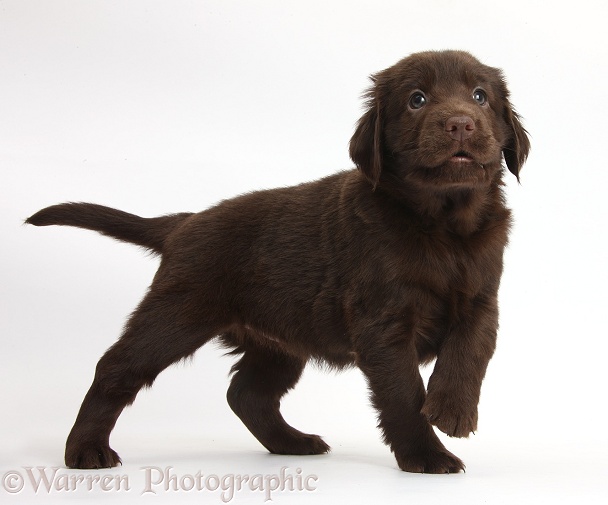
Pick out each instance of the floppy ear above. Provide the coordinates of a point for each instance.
(517, 148)
(366, 143)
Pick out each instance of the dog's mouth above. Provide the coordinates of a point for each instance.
(463, 157)
(459, 169)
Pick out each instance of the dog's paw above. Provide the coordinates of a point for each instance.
(431, 461)
(452, 416)
(301, 444)
(91, 457)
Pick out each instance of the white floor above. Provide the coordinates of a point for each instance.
(175, 470)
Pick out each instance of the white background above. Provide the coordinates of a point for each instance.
(163, 106)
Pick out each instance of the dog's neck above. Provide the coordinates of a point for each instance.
(462, 211)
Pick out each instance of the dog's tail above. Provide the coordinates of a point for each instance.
(146, 232)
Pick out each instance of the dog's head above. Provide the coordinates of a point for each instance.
(441, 120)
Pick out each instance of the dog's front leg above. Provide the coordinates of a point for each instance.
(387, 356)
(455, 385)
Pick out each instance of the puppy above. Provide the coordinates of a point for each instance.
(386, 267)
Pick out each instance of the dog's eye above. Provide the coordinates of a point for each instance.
(417, 100)
(480, 96)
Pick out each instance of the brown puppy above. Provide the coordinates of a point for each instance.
(384, 268)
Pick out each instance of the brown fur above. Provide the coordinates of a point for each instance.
(385, 267)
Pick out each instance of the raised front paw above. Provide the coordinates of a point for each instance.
(452, 415)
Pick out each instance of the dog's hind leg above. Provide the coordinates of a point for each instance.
(160, 332)
(261, 377)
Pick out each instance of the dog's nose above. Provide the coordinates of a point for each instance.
(460, 127)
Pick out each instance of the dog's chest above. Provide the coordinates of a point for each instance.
(424, 276)
(444, 263)
(442, 279)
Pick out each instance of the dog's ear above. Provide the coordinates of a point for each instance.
(517, 148)
(366, 143)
